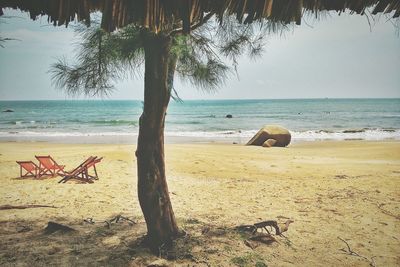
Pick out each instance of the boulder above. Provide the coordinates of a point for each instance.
(269, 143)
(278, 133)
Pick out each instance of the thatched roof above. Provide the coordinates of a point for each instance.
(160, 15)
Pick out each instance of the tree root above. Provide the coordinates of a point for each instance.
(350, 252)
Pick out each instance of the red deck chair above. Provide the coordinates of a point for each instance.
(30, 168)
(80, 172)
(48, 166)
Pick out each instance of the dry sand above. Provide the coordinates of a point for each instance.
(332, 190)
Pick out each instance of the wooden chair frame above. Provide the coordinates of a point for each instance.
(93, 164)
(29, 172)
(81, 172)
(49, 168)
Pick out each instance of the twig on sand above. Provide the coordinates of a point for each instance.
(108, 223)
(20, 207)
(380, 207)
(351, 252)
(373, 263)
(118, 218)
(89, 221)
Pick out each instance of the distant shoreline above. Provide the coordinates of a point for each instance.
(229, 137)
(201, 121)
(219, 99)
(121, 139)
(132, 140)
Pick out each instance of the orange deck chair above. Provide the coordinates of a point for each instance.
(82, 171)
(31, 169)
(48, 166)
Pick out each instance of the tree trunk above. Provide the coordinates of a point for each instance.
(152, 185)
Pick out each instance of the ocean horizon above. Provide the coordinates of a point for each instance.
(116, 121)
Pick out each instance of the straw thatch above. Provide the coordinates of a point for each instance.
(161, 15)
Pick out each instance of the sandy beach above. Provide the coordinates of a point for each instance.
(332, 190)
(164, 97)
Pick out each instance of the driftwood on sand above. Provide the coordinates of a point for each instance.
(279, 228)
(384, 211)
(20, 207)
(116, 219)
(260, 237)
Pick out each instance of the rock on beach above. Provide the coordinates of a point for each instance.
(269, 143)
(271, 135)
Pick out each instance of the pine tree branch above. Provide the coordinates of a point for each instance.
(195, 26)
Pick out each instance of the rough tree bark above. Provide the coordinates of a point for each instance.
(152, 185)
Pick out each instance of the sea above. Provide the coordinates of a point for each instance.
(116, 121)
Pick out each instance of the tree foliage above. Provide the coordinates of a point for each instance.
(203, 58)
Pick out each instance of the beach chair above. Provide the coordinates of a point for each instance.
(48, 166)
(31, 169)
(82, 171)
(93, 164)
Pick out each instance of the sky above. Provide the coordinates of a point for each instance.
(334, 57)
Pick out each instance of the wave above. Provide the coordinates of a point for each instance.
(191, 122)
(66, 122)
(391, 116)
(61, 134)
(308, 135)
(206, 116)
(19, 122)
(361, 134)
(113, 122)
